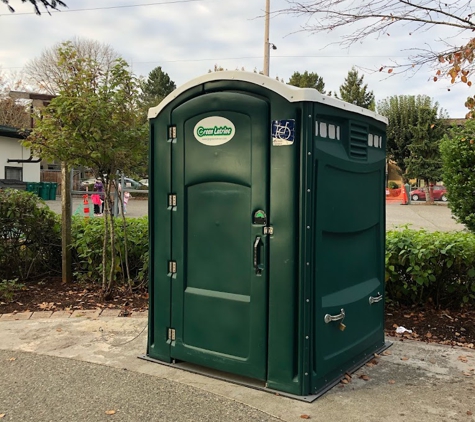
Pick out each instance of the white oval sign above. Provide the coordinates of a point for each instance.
(214, 131)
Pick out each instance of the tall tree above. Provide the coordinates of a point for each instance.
(354, 91)
(157, 86)
(95, 121)
(47, 75)
(13, 114)
(47, 4)
(407, 125)
(307, 80)
(458, 156)
(424, 161)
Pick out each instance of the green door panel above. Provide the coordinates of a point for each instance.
(219, 303)
(349, 260)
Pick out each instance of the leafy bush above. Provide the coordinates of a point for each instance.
(393, 185)
(30, 242)
(8, 289)
(437, 268)
(87, 245)
(458, 156)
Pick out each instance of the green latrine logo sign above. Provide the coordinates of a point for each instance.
(214, 131)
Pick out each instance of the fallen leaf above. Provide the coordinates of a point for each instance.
(404, 358)
(386, 353)
(469, 413)
(391, 382)
(428, 335)
(364, 377)
(59, 330)
(463, 359)
(2, 415)
(304, 417)
(12, 359)
(110, 412)
(344, 381)
(467, 374)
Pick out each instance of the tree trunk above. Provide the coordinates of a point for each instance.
(66, 260)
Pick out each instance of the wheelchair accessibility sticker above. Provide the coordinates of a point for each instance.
(283, 132)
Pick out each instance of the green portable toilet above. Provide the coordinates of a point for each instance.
(267, 232)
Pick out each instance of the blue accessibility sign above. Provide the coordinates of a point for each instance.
(283, 132)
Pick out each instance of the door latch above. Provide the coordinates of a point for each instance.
(268, 230)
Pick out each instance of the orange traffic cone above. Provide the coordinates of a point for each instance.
(86, 206)
(404, 196)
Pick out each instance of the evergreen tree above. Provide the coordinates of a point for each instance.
(353, 91)
(157, 86)
(308, 80)
(414, 130)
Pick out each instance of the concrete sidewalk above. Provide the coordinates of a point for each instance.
(75, 368)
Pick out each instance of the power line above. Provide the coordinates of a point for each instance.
(218, 59)
(105, 8)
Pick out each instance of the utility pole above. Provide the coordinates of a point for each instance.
(266, 39)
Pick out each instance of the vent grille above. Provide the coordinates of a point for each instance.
(358, 141)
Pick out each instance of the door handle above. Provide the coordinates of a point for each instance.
(329, 318)
(257, 255)
(375, 299)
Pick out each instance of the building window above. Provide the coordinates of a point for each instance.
(15, 173)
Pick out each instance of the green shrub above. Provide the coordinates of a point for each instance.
(393, 185)
(458, 156)
(87, 245)
(30, 242)
(437, 268)
(8, 289)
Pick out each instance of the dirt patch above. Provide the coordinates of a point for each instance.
(450, 327)
(53, 295)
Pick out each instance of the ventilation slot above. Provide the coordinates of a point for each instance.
(358, 141)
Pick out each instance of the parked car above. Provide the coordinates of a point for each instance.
(131, 183)
(89, 181)
(144, 182)
(439, 193)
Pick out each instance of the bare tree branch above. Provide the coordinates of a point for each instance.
(376, 17)
(47, 4)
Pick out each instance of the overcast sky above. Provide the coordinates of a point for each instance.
(188, 37)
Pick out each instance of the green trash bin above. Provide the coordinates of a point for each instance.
(30, 187)
(52, 191)
(44, 190)
(33, 187)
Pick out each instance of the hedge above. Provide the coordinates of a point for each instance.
(430, 268)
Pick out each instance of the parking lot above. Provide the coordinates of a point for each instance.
(418, 215)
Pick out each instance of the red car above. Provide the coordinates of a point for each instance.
(439, 193)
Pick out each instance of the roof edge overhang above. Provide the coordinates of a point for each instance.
(290, 93)
(13, 132)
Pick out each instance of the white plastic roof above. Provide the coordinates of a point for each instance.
(290, 93)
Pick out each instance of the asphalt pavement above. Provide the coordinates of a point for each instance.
(85, 367)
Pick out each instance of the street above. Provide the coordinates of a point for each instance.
(436, 217)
